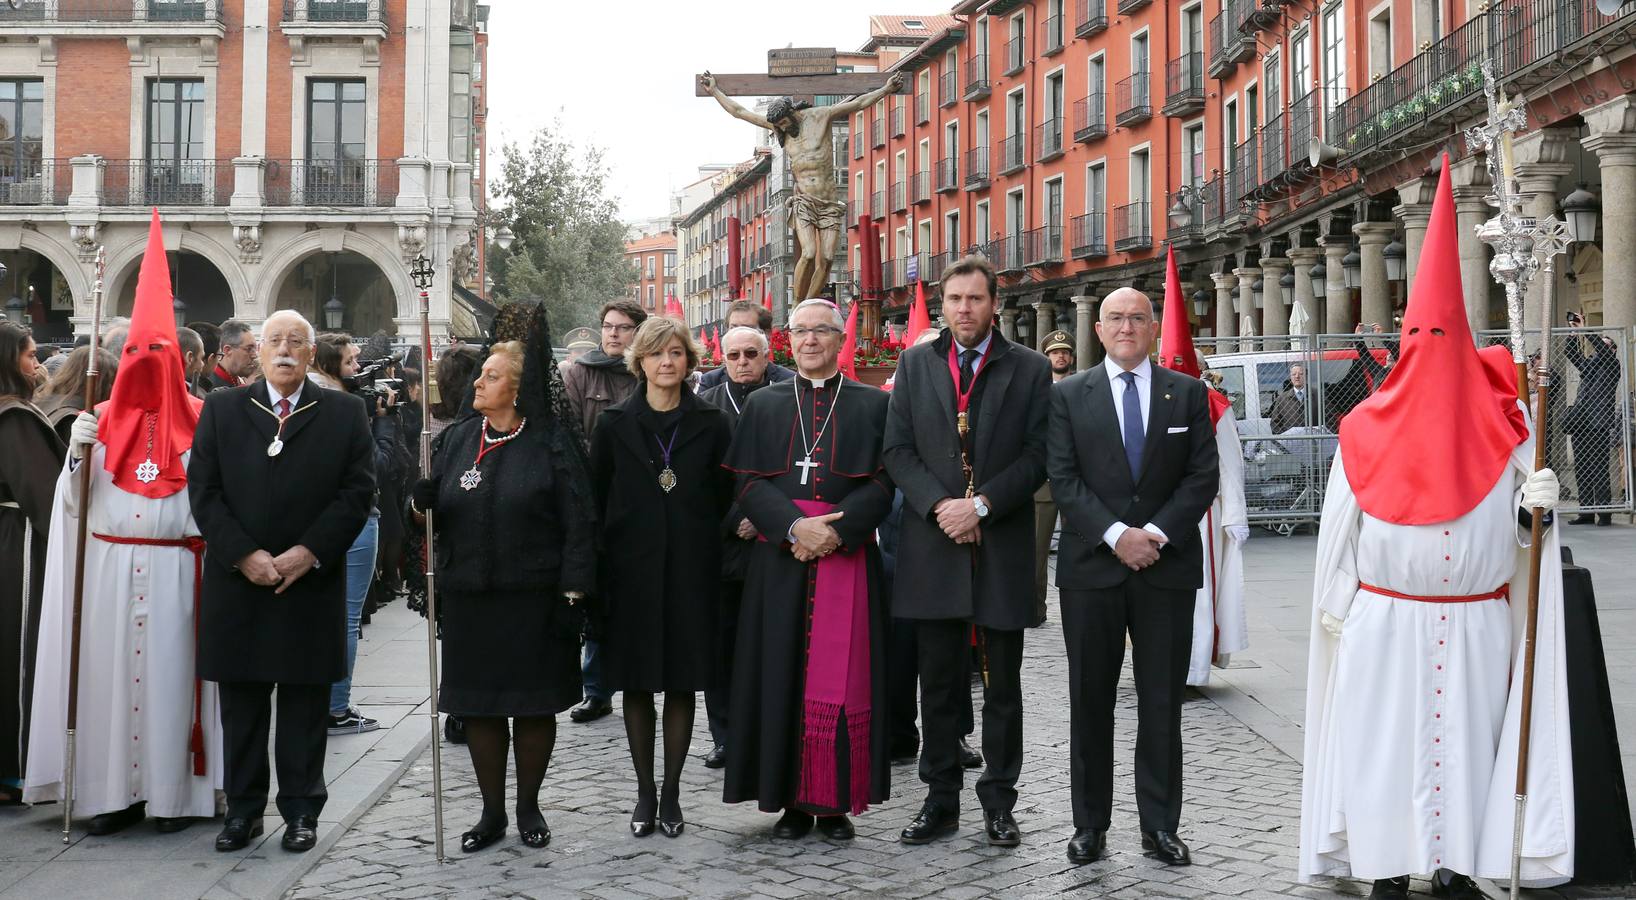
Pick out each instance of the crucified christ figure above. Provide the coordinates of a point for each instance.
(804, 132)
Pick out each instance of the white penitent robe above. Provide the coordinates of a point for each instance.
(1219, 625)
(136, 659)
(1413, 713)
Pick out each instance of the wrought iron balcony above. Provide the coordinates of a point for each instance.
(977, 162)
(1126, 7)
(877, 205)
(1240, 30)
(1014, 55)
(1091, 117)
(897, 121)
(923, 108)
(1301, 119)
(891, 273)
(1013, 153)
(1089, 234)
(1242, 180)
(1006, 253)
(347, 183)
(921, 187)
(1221, 62)
(92, 13)
(341, 11)
(1048, 139)
(977, 81)
(1051, 36)
(1184, 216)
(1043, 246)
(948, 174)
(1090, 17)
(38, 182)
(1184, 85)
(1132, 100)
(936, 265)
(1275, 157)
(948, 89)
(900, 196)
(877, 133)
(1210, 195)
(857, 145)
(1132, 227)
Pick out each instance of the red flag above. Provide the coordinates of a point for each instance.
(919, 318)
(849, 350)
(767, 301)
(715, 343)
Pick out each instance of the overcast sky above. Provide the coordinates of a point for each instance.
(620, 75)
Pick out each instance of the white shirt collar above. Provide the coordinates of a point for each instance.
(981, 348)
(1143, 370)
(274, 396)
(817, 384)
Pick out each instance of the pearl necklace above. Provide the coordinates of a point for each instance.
(472, 477)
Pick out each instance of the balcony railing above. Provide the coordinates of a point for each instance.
(857, 145)
(923, 108)
(900, 196)
(1006, 253)
(877, 133)
(948, 174)
(1132, 227)
(1048, 139)
(35, 182)
(1126, 7)
(1091, 117)
(1014, 56)
(937, 264)
(1184, 229)
(1301, 118)
(1210, 194)
(921, 187)
(1089, 234)
(977, 83)
(1242, 180)
(93, 12)
(332, 11)
(977, 162)
(1132, 100)
(1184, 85)
(1275, 157)
(877, 205)
(1241, 12)
(1043, 246)
(1090, 17)
(181, 182)
(897, 121)
(1013, 153)
(1239, 30)
(948, 89)
(1220, 61)
(1051, 36)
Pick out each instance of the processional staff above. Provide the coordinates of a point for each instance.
(421, 273)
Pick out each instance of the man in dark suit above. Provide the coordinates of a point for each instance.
(965, 442)
(745, 314)
(1294, 406)
(1132, 460)
(281, 482)
(235, 358)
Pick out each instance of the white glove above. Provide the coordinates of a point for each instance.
(1330, 623)
(1540, 491)
(1238, 533)
(82, 434)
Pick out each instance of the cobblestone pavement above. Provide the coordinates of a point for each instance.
(1241, 820)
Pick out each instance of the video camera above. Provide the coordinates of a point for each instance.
(376, 382)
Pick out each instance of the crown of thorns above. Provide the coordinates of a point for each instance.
(784, 108)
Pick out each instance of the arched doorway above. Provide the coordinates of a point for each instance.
(194, 281)
(341, 291)
(34, 290)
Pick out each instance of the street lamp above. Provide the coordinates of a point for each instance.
(1201, 303)
(1287, 283)
(1256, 292)
(1320, 280)
(1396, 257)
(1181, 213)
(16, 310)
(1352, 269)
(1580, 209)
(504, 237)
(334, 311)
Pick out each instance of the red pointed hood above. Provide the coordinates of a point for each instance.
(920, 317)
(1431, 443)
(849, 349)
(150, 416)
(1176, 351)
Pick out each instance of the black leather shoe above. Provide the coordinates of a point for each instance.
(1166, 847)
(1087, 845)
(1002, 829)
(672, 827)
(1604, 519)
(237, 834)
(484, 833)
(117, 821)
(589, 710)
(716, 758)
(836, 828)
(171, 825)
(932, 823)
(1581, 519)
(535, 837)
(793, 825)
(300, 834)
(969, 758)
(1391, 888)
(1449, 883)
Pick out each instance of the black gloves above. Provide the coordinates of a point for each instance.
(424, 495)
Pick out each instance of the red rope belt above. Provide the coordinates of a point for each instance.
(196, 546)
(1503, 592)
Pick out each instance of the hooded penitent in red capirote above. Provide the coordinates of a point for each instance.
(148, 421)
(1176, 351)
(1435, 438)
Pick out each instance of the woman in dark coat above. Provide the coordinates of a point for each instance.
(515, 541)
(656, 463)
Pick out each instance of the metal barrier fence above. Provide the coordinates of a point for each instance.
(1290, 393)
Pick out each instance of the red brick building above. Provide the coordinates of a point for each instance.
(654, 259)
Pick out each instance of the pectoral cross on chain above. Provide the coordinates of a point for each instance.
(806, 465)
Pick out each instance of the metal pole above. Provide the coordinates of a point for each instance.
(422, 274)
(93, 382)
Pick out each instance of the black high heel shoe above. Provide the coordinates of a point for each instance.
(642, 816)
(481, 836)
(532, 829)
(670, 815)
(672, 829)
(642, 827)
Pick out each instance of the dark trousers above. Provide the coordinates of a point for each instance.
(902, 680)
(1094, 623)
(718, 701)
(945, 693)
(1592, 469)
(1045, 524)
(298, 747)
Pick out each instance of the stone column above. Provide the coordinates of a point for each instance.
(1248, 278)
(1226, 322)
(1337, 299)
(1008, 323)
(1414, 211)
(1302, 259)
(1471, 188)
(1541, 165)
(1084, 335)
(1377, 291)
(1613, 140)
(1045, 322)
(1274, 311)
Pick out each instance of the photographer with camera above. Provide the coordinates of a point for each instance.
(337, 367)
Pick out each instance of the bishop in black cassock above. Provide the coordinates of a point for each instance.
(809, 689)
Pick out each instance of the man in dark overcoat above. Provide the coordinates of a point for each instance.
(965, 442)
(281, 481)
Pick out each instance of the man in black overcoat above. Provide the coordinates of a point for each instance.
(965, 442)
(1132, 459)
(281, 481)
